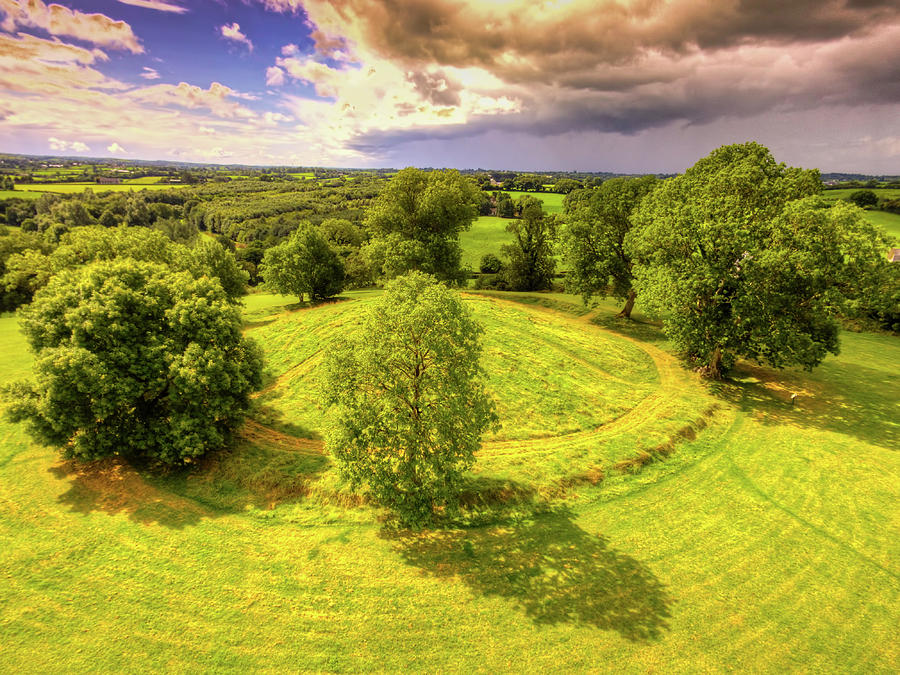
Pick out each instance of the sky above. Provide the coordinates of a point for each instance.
(626, 86)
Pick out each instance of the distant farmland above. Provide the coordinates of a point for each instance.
(73, 188)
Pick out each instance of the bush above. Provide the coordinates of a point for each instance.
(490, 264)
(136, 360)
(863, 198)
(490, 282)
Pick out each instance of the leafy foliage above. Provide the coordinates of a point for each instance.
(490, 264)
(408, 399)
(417, 219)
(211, 258)
(594, 239)
(531, 261)
(134, 359)
(737, 269)
(304, 265)
(863, 198)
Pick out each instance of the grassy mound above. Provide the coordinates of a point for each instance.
(548, 375)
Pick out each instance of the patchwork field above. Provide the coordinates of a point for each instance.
(72, 188)
(19, 194)
(652, 522)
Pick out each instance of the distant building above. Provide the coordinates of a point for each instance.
(894, 255)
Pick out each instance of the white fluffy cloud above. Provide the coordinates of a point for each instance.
(116, 149)
(60, 145)
(217, 99)
(98, 29)
(233, 32)
(150, 73)
(274, 76)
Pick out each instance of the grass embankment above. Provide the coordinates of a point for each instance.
(765, 540)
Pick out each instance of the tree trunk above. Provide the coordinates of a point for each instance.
(629, 305)
(714, 369)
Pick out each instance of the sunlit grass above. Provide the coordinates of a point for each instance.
(764, 539)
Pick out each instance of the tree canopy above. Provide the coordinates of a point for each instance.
(737, 267)
(426, 211)
(594, 239)
(304, 264)
(531, 261)
(136, 360)
(408, 404)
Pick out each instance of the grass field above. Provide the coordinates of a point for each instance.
(487, 235)
(889, 221)
(763, 538)
(71, 188)
(844, 193)
(19, 194)
(143, 180)
(553, 202)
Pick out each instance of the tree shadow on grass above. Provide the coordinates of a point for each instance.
(112, 486)
(551, 569)
(644, 330)
(257, 473)
(844, 398)
(275, 418)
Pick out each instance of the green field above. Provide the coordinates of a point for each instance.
(553, 201)
(144, 180)
(759, 536)
(889, 221)
(844, 193)
(487, 235)
(72, 188)
(19, 194)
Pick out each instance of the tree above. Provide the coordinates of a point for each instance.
(490, 264)
(304, 264)
(863, 199)
(505, 206)
(25, 273)
(737, 267)
(566, 185)
(594, 240)
(208, 257)
(408, 404)
(136, 360)
(531, 262)
(428, 209)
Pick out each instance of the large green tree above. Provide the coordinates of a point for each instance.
(136, 360)
(738, 268)
(209, 257)
(594, 240)
(425, 211)
(304, 264)
(531, 262)
(408, 404)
